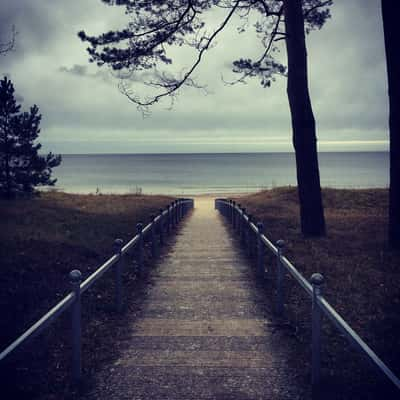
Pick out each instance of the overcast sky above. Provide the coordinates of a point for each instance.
(84, 112)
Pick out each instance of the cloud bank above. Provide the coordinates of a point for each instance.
(83, 110)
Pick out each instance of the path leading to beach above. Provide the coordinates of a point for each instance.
(202, 331)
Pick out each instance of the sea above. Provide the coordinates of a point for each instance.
(191, 174)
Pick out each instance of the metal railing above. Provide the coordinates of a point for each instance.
(253, 238)
(161, 225)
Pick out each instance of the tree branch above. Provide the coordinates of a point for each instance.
(264, 55)
(8, 46)
(267, 9)
(173, 86)
(112, 37)
(323, 4)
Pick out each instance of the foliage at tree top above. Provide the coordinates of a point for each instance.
(157, 24)
(22, 167)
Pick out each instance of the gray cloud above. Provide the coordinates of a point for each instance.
(80, 70)
(83, 71)
(81, 103)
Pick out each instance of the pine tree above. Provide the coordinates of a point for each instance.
(22, 168)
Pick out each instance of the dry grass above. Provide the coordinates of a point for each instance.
(362, 281)
(41, 240)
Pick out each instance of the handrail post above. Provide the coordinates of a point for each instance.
(181, 209)
(239, 219)
(182, 204)
(176, 213)
(249, 235)
(118, 243)
(139, 248)
(169, 219)
(317, 281)
(260, 251)
(75, 278)
(230, 212)
(173, 217)
(280, 244)
(161, 227)
(243, 227)
(234, 214)
(154, 249)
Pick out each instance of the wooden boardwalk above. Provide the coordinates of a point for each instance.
(203, 331)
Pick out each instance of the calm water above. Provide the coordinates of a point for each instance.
(212, 173)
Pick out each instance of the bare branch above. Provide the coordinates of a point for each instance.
(173, 86)
(8, 46)
(323, 4)
(267, 9)
(112, 37)
(272, 39)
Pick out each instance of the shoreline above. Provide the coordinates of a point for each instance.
(212, 194)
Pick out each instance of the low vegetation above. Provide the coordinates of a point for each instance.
(362, 278)
(23, 168)
(41, 241)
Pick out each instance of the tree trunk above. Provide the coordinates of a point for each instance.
(303, 123)
(390, 21)
(8, 178)
(7, 161)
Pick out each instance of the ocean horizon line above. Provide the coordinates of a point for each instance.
(191, 172)
(222, 153)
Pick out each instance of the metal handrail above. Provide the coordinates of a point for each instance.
(39, 326)
(355, 339)
(237, 216)
(303, 282)
(174, 214)
(130, 244)
(91, 279)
